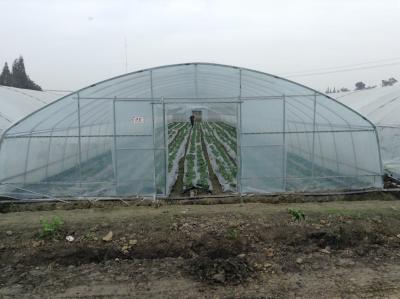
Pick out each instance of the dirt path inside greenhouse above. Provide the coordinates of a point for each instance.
(343, 249)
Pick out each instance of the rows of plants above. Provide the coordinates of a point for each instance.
(173, 129)
(196, 173)
(223, 166)
(225, 138)
(176, 150)
(173, 125)
(231, 130)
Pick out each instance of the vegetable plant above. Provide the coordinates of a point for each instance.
(297, 215)
(51, 228)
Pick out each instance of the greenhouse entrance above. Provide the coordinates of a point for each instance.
(202, 147)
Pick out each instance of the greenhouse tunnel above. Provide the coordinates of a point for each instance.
(131, 136)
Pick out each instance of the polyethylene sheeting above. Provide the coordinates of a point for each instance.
(16, 103)
(111, 139)
(381, 106)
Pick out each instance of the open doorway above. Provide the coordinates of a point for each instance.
(202, 148)
(198, 115)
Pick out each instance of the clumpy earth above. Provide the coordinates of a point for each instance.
(342, 249)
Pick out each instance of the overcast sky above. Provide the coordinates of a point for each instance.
(71, 44)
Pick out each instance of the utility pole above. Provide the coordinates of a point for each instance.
(126, 54)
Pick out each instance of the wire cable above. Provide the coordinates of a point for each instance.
(355, 67)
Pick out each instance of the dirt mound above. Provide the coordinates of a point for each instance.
(221, 259)
(160, 248)
(232, 270)
(73, 256)
(219, 245)
(345, 237)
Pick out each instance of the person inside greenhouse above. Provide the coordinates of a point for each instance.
(191, 120)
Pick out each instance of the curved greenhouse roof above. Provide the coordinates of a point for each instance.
(382, 107)
(16, 103)
(130, 135)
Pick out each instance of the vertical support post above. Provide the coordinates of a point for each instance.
(88, 144)
(79, 140)
(48, 155)
(379, 154)
(284, 154)
(313, 138)
(238, 138)
(151, 85)
(165, 145)
(238, 148)
(64, 150)
(354, 152)
(28, 148)
(240, 84)
(115, 150)
(196, 90)
(154, 155)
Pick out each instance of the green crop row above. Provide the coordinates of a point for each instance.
(225, 165)
(176, 144)
(230, 129)
(174, 128)
(225, 137)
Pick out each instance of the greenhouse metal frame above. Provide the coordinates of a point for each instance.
(111, 139)
(381, 106)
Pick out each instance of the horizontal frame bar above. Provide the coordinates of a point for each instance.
(303, 132)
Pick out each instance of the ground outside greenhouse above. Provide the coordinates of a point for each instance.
(346, 247)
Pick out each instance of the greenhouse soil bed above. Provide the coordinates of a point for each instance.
(253, 250)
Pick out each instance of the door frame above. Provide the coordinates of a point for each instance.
(171, 101)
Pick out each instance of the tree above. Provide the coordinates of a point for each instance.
(328, 90)
(20, 78)
(5, 76)
(344, 89)
(360, 85)
(389, 82)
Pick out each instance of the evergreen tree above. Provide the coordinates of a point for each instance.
(5, 76)
(327, 90)
(20, 78)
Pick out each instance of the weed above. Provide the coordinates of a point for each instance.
(232, 234)
(297, 215)
(51, 228)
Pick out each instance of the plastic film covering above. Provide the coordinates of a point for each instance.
(111, 138)
(16, 103)
(380, 105)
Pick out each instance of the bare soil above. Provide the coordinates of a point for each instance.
(343, 249)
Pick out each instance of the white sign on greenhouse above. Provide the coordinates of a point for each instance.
(137, 120)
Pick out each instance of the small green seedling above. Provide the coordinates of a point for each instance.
(232, 234)
(51, 228)
(297, 215)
